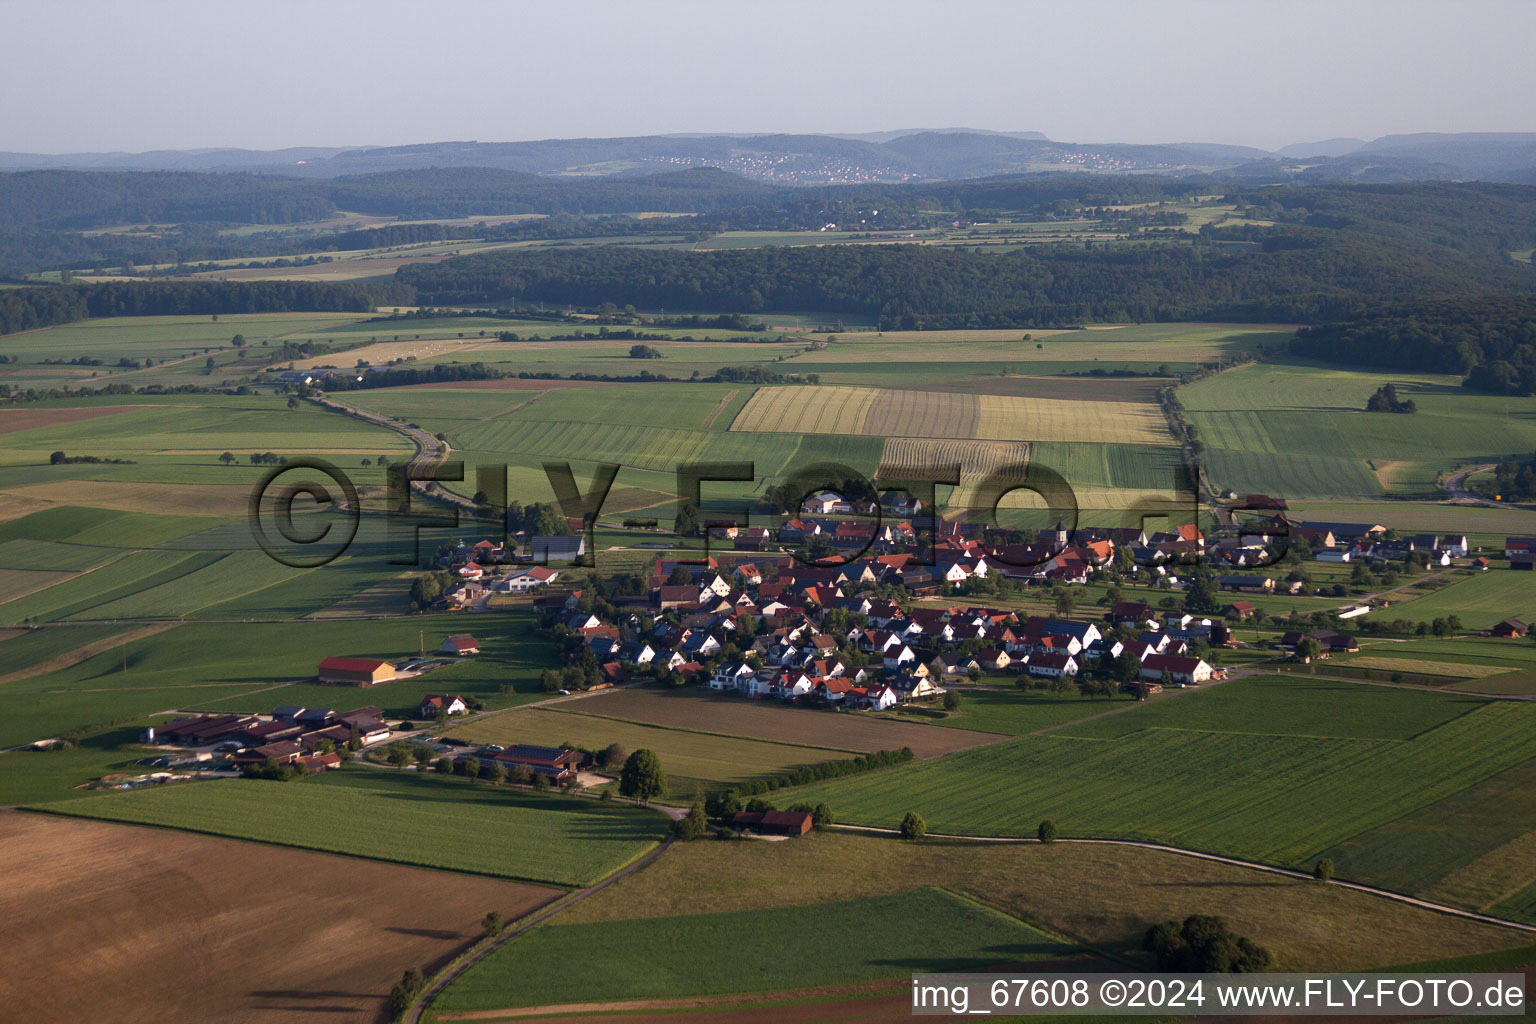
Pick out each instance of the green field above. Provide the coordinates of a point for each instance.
(252, 667)
(1299, 431)
(1481, 599)
(693, 761)
(1217, 783)
(402, 817)
(779, 950)
(1016, 712)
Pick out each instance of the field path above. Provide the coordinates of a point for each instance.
(87, 651)
(458, 967)
(721, 408)
(1370, 890)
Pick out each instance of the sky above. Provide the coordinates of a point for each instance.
(136, 75)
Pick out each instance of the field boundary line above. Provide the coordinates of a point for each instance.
(1370, 890)
(448, 974)
(721, 408)
(701, 732)
(88, 651)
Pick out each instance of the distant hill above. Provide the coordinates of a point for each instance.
(878, 157)
(1327, 147)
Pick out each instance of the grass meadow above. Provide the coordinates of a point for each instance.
(1237, 770)
(402, 817)
(768, 950)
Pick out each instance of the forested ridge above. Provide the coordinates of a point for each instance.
(1491, 340)
(1310, 275)
(24, 309)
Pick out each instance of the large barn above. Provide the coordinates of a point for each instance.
(355, 671)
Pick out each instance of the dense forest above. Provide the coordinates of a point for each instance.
(23, 309)
(1309, 275)
(1491, 340)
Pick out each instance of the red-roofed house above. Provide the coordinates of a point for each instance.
(435, 704)
(461, 643)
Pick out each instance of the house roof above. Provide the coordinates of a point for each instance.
(352, 665)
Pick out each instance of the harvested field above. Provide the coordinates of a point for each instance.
(948, 414)
(386, 351)
(12, 420)
(1044, 419)
(761, 720)
(924, 414)
(1067, 389)
(133, 924)
(225, 501)
(976, 459)
(808, 410)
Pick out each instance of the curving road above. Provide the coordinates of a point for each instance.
(1456, 483)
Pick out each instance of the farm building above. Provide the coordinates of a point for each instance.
(778, 823)
(461, 644)
(1247, 584)
(434, 704)
(557, 550)
(556, 763)
(534, 578)
(1239, 610)
(1509, 627)
(355, 671)
(199, 730)
(1182, 670)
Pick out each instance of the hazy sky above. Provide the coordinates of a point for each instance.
(132, 75)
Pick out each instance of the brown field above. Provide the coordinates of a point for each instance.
(1100, 895)
(762, 720)
(12, 420)
(15, 583)
(221, 500)
(1071, 389)
(130, 924)
(922, 414)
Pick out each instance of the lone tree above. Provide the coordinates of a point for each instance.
(1047, 831)
(913, 826)
(491, 923)
(227, 458)
(951, 700)
(1324, 870)
(641, 777)
(821, 816)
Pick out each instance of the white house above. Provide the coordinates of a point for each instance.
(1182, 670)
(895, 657)
(729, 677)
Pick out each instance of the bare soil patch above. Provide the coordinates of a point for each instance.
(764, 720)
(133, 924)
(12, 420)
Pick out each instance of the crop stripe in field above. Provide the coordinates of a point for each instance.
(702, 732)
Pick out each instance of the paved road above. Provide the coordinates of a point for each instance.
(1457, 485)
(413, 1016)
